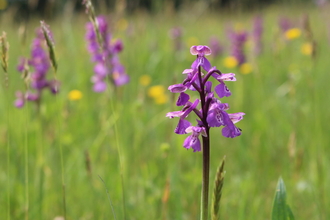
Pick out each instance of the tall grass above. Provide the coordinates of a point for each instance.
(285, 130)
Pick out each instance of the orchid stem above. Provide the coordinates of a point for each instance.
(206, 171)
(206, 152)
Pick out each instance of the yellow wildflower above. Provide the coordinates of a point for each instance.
(230, 62)
(245, 68)
(307, 49)
(192, 41)
(145, 80)
(292, 33)
(75, 95)
(156, 91)
(161, 99)
(158, 94)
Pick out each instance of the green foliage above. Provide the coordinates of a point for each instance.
(281, 210)
(284, 132)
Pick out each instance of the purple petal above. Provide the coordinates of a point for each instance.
(19, 103)
(205, 64)
(99, 86)
(177, 88)
(191, 108)
(32, 97)
(193, 142)
(236, 117)
(120, 79)
(101, 69)
(200, 50)
(183, 99)
(187, 71)
(54, 86)
(118, 46)
(201, 61)
(222, 90)
(231, 132)
(20, 66)
(182, 126)
(215, 117)
(208, 86)
(186, 143)
(227, 77)
(174, 114)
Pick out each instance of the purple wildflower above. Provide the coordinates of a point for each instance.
(40, 63)
(176, 35)
(238, 40)
(212, 112)
(104, 53)
(257, 34)
(284, 24)
(193, 141)
(216, 47)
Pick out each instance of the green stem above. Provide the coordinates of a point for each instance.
(26, 158)
(60, 147)
(62, 165)
(8, 156)
(121, 170)
(206, 150)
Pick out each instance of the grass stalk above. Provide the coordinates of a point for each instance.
(4, 63)
(8, 165)
(112, 209)
(26, 163)
(120, 159)
(61, 157)
(217, 192)
(52, 56)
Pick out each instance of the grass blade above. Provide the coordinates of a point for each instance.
(281, 211)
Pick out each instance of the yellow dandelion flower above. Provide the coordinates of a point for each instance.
(3, 4)
(75, 95)
(307, 49)
(230, 62)
(192, 41)
(292, 33)
(245, 68)
(122, 24)
(156, 91)
(161, 99)
(145, 80)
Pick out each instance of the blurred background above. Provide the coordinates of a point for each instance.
(279, 51)
(51, 8)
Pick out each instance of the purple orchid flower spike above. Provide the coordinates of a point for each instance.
(211, 113)
(104, 52)
(40, 63)
(257, 34)
(238, 39)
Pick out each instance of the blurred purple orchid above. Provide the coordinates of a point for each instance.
(38, 81)
(104, 53)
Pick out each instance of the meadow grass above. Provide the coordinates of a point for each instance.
(285, 129)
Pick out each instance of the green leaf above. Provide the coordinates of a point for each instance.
(281, 211)
(289, 212)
